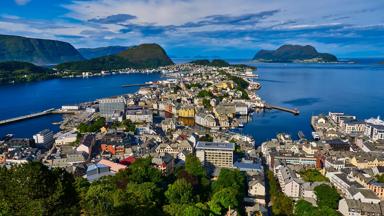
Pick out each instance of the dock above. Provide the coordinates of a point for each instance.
(140, 84)
(293, 111)
(35, 115)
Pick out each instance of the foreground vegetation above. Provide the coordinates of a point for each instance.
(312, 175)
(33, 189)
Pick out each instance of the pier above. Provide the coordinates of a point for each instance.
(293, 111)
(35, 115)
(140, 84)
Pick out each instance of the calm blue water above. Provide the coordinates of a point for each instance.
(22, 99)
(354, 89)
(313, 89)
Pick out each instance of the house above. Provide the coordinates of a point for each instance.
(66, 138)
(168, 124)
(256, 189)
(187, 111)
(205, 120)
(363, 195)
(87, 143)
(139, 116)
(96, 171)
(367, 160)
(349, 207)
(114, 167)
(164, 162)
(115, 143)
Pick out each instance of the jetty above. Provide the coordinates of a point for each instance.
(293, 111)
(140, 84)
(35, 115)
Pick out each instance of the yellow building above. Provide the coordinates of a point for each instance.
(186, 111)
(225, 85)
(366, 162)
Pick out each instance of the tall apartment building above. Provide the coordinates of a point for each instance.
(44, 138)
(112, 107)
(215, 154)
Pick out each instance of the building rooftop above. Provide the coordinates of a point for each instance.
(215, 146)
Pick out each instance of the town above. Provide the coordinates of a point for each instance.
(191, 115)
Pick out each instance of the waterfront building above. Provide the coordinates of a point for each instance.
(205, 120)
(214, 154)
(44, 138)
(241, 109)
(111, 107)
(66, 138)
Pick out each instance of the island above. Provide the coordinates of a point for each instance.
(16, 72)
(294, 53)
(36, 51)
(143, 56)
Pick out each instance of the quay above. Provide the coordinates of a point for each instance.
(35, 115)
(141, 84)
(293, 111)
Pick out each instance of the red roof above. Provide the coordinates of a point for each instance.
(128, 161)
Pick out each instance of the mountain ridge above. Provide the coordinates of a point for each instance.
(37, 51)
(90, 53)
(142, 56)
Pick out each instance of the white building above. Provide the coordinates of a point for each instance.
(44, 138)
(214, 154)
(205, 120)
(139, 116)
(349, 207)
(66, 138)
(289, 183)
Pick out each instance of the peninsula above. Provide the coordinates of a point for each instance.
(294, 53)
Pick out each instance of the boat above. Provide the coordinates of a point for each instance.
(301, 135)
(315, 136)
(241, 125)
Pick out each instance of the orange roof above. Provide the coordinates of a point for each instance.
(115, 167)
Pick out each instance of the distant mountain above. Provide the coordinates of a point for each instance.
(91, 53)
(139, 57)
(38, 51)
(15, 71)
(294, 53)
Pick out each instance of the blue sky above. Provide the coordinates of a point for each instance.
(188, 28)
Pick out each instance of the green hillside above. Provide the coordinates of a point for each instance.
(37, 51)
(15, 72)
(138, 57)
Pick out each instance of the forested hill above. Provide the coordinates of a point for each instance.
(37, 51)
(138, 57)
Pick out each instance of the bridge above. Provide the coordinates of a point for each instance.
(35, 115)
(293, 111)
